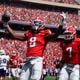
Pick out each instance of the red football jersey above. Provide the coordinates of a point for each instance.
(71, 51)
(36, 43)
(14, 61)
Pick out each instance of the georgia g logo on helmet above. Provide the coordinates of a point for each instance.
(69, 33)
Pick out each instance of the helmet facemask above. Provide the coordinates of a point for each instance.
(69, 33)
(69, 36)
(37, 25)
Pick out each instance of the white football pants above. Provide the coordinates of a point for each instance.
(64, 74)
(32, 69)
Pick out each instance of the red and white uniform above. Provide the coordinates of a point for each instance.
(14, 63)
(70, 70)
(71, 51)
(36, 43)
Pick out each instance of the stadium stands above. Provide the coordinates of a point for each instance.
(52, 17)
(10, 45)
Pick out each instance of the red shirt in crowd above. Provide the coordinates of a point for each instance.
(15, 61)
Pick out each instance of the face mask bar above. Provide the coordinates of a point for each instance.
(68, 36)
(37, 23)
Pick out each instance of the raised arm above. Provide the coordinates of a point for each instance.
(56, 35)
(5, 20)
(16, 35)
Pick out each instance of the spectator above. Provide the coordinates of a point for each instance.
(3, 64)
(14, 65)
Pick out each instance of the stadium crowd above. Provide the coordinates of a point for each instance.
(10, 45)
(52, 17)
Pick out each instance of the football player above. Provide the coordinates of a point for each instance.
(36, 43)
(4, 58)
(14, 65)
(44, 71)
(71, 47)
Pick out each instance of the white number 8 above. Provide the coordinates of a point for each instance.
(32, 41)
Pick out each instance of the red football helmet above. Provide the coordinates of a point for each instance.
(38, 20)
(69, 33)
(37, 23)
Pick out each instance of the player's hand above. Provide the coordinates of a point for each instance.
(5, 17)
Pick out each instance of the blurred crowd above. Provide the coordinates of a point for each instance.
(53, 16)
(10, 46)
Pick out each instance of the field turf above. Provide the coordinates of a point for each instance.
(46, 78)
(50, 78)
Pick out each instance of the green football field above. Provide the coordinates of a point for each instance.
(50, 78)
(46, 78)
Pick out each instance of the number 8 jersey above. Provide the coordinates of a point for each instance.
(36, 43)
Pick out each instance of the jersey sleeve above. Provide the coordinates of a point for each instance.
(46, 32)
